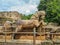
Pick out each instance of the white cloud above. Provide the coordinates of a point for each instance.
(27, 11)
(20, 5)
(24, 9)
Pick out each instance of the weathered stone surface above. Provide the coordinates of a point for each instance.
(11, 14)
(36, 20)
(38, 15)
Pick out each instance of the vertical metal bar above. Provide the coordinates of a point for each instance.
(52, 36)
(12, 35)
(40, 33)
(44, 34)
(5, 36)
(34, 36)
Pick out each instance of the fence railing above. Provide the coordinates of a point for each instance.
(34, 34)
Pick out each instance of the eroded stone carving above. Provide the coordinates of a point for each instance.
(37, 20)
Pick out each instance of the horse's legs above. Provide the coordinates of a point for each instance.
(18, 28)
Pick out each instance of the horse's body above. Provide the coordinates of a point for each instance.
(26, 24)
(35, 21)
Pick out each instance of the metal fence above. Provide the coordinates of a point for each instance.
(4, 41)
(46, 42)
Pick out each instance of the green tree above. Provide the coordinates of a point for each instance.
(26, 17)
(52, 8)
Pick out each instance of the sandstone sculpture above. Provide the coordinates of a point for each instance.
(7, 26)
(35, 21)
(40, 15)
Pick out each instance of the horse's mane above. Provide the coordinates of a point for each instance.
(38, 15)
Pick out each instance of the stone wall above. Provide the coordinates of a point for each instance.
(11, 14)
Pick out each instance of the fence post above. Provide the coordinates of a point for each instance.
(34, 36)
(5, 37)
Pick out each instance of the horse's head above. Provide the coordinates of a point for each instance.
(7, 24)
(41, 15)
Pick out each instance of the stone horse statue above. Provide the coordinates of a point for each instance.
(35, 21)
(40, 16)
(7, 26)
(26, 24)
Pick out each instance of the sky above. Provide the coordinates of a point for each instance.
(22, 6)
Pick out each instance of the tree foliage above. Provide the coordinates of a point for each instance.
(26, 17)
(52, 8)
